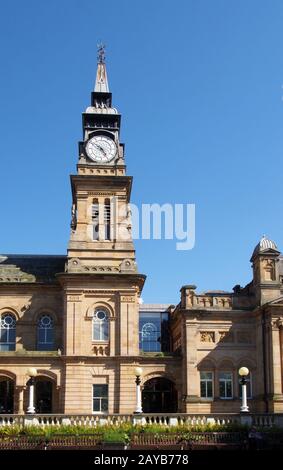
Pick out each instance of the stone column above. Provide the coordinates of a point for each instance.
(20, 399)
(101, 201)
(280, 326)
(112, 344)
(192, 379)
(129, 336)
(276, 359)
(31, 385)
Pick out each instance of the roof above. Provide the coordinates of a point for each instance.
(31, 268)
(101, 82)
(265, 244)
(154, 307)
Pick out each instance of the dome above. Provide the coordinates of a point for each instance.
(265, 244)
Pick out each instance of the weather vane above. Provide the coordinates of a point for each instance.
(101, 53)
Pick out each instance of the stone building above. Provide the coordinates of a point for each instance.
(78, 320)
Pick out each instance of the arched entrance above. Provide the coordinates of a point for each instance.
(6, 395)
(43, 395)
(159, 395)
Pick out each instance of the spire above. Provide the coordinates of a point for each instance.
(101, 82)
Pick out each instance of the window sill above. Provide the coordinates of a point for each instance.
(158, 354)
(23, 352)
(101, 342)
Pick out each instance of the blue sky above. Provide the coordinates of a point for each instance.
(199, 86)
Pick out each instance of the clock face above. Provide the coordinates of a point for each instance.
(101, 149)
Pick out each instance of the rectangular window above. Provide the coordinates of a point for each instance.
(95, 219)
(206, 384)
(249, 387)
(100, 398)
(100, 331)
(226, 385)
(45, 339)
(7, 339)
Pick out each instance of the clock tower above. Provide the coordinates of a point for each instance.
(101, 283)
(101, 227)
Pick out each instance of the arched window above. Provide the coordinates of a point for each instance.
(8, 332)
(150, 337)
(45, 333)
(100, 330)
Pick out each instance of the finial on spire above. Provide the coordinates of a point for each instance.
(101, 82)
(101, 53)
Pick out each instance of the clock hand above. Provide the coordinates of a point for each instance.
(100, 148)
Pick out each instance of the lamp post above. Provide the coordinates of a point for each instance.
(138, 374)
(243, 373)
(32, 373)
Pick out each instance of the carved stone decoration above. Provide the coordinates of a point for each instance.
(207, 336)
(226, 336)
(25, 307)
(277, 324)
(128, 265)
(101, 350)
(74, 264)
(244, 337)
(102, 269)
(127, 298)
(74, 298)
(269, 270)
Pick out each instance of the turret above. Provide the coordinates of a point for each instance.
(265, 263)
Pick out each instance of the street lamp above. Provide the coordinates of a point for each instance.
(138, 373)
(243, 373)
(32, 373)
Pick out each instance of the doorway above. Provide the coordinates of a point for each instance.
(159, 395)
(43, 396)
(6, 395)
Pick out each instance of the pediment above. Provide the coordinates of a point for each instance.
(276, 302)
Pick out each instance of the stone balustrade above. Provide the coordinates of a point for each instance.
(209, 300)
(174, 419)
(267, 420)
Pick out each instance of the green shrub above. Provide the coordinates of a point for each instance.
(117, 433)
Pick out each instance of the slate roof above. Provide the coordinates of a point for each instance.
(31, 268)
